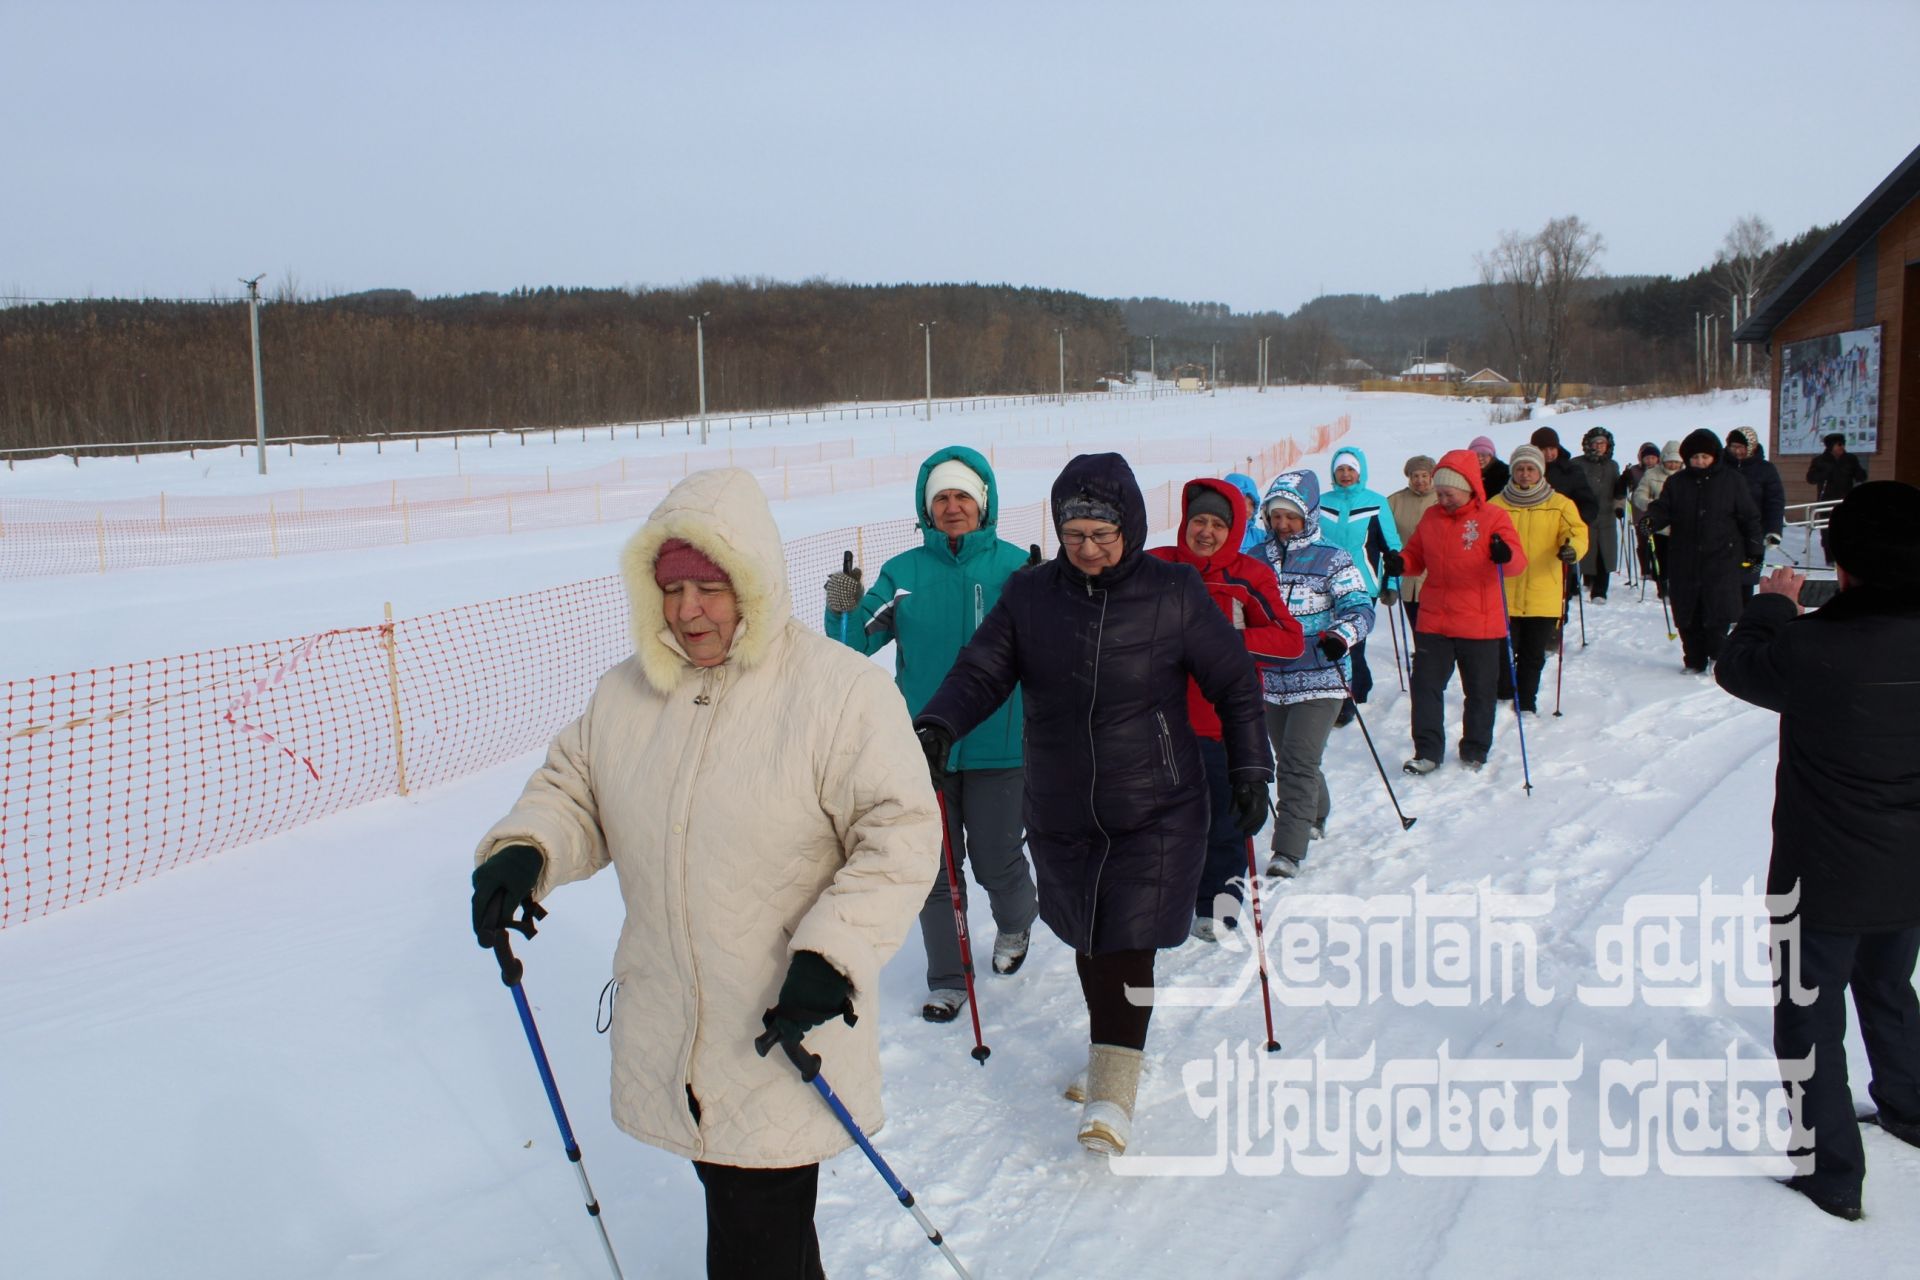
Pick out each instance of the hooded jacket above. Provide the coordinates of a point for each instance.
(1654, 479)
(1713, 528)
(1324, 591)
(1250, 489)
(1359, 522)
(1763, 480)
(1543, 528)
(949, 594)
(1602, 474)
(1117, 808)
(1245, 590)
(1462, 597)
(775, 803)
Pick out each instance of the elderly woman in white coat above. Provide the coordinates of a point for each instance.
(759, 792)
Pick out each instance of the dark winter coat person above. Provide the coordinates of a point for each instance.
(1648, 459)
(1846, 824)
(1325, 592)
(1564, 474)
(1102, 641)
(928, 601)
(1467, 548)
(1747, 456)
(1713, 530)
(1833, 474)
(1601, 470)
(1213, 520)
(1493, 472)
(759, 792)
(1655, 541)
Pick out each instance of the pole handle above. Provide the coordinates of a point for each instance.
(807, 1064)
(495, 919)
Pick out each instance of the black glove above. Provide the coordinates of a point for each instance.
(500, 885)
(1393, 562)
(1567, 554)
(813, 993)
(1249, 807)
(1498, 551)
(935, 742)
(844, 588)
(1332, 645)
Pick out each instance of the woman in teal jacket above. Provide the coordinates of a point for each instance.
(1359, 522)
(928, 601)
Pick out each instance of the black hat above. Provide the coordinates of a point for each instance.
(1545, 438)
(1204, 500)
(1835, 438)
(1700, 440)
(1874, 534)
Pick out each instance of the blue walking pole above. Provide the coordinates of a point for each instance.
(1513, 674)
(808, 1065)
(500, 919)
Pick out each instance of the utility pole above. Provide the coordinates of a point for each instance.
(1061, 334)
(700, 358)
(926, 327)
(1216, 364)
(1699, 355)
(1153, 369)
(259, 396)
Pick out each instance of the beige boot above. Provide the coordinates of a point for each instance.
(1113, 1081)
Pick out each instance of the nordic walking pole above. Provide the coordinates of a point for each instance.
(1580, 597)
(1260, 943)
(1406, 823)
(1394, 635)
(808, 1065)
(1653, 550)
(1406, 635)
(980, 1051)
(846, 566)
(499, 917)
(1513, 674)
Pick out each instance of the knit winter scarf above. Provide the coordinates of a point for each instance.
(1527, 497)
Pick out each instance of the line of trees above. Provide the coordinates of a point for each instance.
(105, 372)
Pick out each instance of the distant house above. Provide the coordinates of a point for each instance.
(1352, 369)
(1487, 378)
(1190, 377)
(1432, 371)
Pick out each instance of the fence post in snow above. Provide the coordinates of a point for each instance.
(393, 688)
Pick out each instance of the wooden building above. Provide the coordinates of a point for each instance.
(1842, 335)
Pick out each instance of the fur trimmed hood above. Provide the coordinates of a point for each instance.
(724, 514)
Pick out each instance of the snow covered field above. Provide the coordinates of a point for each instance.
(290, 1060)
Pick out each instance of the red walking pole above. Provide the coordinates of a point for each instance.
(980, 1050)
(1260, 945)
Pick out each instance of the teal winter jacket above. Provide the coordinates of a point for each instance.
(1359, 522)
(948, 594)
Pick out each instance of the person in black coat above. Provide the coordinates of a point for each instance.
(1846, 825)
(1566, 475)
(1714, 534)
(1748, 456)
(1833, 474)
(1101, 641)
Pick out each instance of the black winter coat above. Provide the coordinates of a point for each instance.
(1769, 495)
(1846, 808)
(1117, 807)
(1494, 477)
(1568, 477)
(1834, 478)
(1714, 527)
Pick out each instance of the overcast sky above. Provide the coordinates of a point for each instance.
(1250, 153)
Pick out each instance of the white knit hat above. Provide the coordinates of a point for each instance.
(1448, 478)
(955, 474)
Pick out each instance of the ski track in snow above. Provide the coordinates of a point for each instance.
(290, 1059)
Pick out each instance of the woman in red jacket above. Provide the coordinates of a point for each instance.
(1212, 527)
(1464, 545)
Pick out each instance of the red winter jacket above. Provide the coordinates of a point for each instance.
(1463, 597)
(1246, 591)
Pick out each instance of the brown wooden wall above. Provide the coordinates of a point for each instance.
(1832, 309)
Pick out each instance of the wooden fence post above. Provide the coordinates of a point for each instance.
(393, 688)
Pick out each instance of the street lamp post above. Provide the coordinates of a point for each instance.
(1153, 369)
(926, 327)
(1216, 365)
(700, 359)
(259, 397)
(1061, 334)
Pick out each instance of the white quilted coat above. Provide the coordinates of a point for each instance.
(775, 803)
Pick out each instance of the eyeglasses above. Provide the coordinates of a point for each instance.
(1105, 538)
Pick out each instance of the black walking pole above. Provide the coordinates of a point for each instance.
(1406, 823)
(1513, 674)
(1581, 597)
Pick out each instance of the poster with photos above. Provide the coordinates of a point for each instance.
(1827, 385)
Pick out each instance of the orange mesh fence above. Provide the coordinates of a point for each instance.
(110, 775)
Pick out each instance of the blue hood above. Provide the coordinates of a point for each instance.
(1359, 461)
(1304, 488)
(1256, 531)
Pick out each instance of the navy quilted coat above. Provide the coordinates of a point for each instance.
(1116, 803)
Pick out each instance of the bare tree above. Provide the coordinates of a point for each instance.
(1510, 284)
(1532, 285)
(1568, 249)
(1745, 263)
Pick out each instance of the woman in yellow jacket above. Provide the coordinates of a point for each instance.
(1553, 536)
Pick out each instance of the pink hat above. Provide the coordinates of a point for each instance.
(1483, 446)
(679, 560)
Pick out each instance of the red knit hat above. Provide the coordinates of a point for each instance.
(680, 560)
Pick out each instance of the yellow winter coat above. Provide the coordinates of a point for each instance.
(775, 803)
(1544, 529)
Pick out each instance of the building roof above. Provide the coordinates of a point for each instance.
(1431, 367)
(1488, 375)
(1865, 222)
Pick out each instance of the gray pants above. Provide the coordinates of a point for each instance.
(1299, 732)
(984, 825)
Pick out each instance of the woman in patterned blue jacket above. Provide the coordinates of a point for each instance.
(1323, 588)
(1359, 522)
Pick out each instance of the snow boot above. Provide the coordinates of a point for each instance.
(1010, 951)
(1345, 715)
(1418, 767)
(1113, 1082)
(1204, 929)
(1839, 1204)
(1282, 866)
(1905, 1131)
(943, 1005)
(1318, 831)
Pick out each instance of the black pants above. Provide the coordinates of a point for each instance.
(1226, 847)
(1413, 614)
(1878, 968)
(1532, 638)
(1699, 645)
(1362, 681)
(1111, 1017)
(1433, 662)
(760, 1222)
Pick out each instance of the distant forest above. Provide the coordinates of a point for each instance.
(113, 372)
(101, 372)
